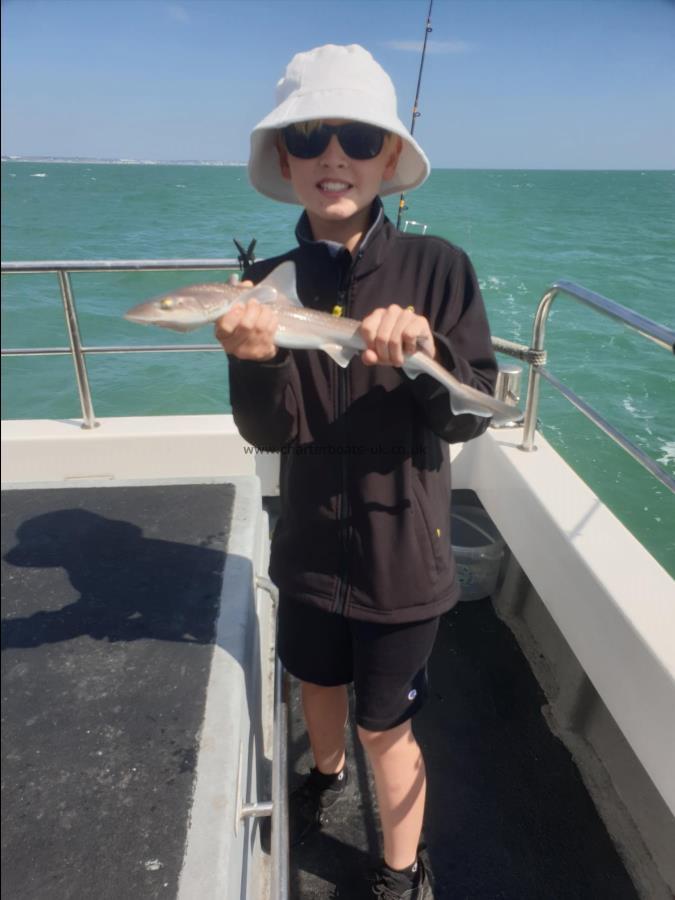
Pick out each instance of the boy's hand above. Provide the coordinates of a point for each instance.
(394, 333)
(247, 330)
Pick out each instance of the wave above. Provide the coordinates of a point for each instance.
(668, 457)
(491, 283)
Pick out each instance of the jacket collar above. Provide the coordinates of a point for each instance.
(370, 252)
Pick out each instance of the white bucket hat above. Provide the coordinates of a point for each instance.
(332, 82)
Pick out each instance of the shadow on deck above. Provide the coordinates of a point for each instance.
(508, 816)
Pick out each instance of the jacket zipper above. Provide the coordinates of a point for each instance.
(342, 399)
(343, 509)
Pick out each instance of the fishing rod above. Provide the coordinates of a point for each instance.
(415, 111)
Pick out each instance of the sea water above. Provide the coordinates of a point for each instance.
(613, 232)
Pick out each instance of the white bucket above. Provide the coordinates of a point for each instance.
(478, 549)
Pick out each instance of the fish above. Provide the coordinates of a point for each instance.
(303, 328)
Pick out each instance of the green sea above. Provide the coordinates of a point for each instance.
(613, 232)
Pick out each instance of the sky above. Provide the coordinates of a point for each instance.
(548, 84)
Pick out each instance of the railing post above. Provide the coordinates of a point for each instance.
(533, 380)
(531, 409)
(88, 419)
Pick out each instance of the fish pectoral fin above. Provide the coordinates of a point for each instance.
(474, 403)
(282, 280)
(461, 407)
(340, 354)
(410, 369)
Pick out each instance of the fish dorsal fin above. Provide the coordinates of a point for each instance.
(282, 279)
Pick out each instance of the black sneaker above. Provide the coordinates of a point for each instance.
(390, 885)
(307, 803)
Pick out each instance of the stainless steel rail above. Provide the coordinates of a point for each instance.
(659, 334)
(62, 269)
(278, 807)
(122, 348)
(116, 265)
(534, 355)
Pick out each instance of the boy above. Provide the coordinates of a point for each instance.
(361, 553)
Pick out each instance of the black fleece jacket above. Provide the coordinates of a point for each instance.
(365, 473)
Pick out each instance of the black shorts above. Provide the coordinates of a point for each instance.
(386, 663)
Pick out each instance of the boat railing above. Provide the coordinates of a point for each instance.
(63, 269)
(535, 356)
(662, 336)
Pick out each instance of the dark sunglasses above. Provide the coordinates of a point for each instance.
(358, 140)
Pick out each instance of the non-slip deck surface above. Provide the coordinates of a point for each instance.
(110, 597)
(508, 816)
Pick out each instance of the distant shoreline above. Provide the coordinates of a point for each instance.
(85, 160)
(74, 160)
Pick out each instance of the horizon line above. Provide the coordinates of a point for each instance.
(122, 161)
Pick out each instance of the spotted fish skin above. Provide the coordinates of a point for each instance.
(190, 307)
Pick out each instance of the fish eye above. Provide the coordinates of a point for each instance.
(167, 303)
